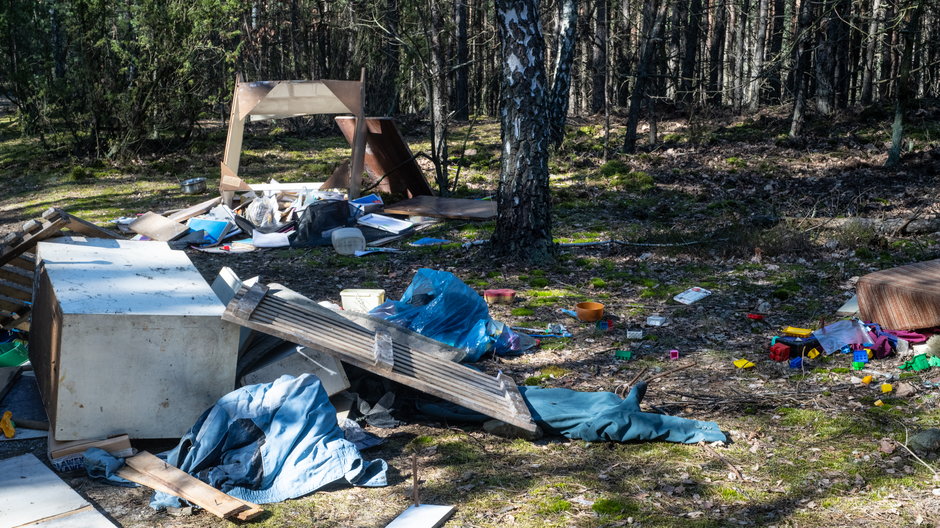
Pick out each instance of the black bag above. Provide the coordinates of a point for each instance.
(318, 217)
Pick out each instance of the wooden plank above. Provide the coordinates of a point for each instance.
(422, 516)
(15, 291)
(89, 229)
(49, 228)
(437, 207)
(321, 329)
(25, 262)
(11, 305)
(17, 275)
(388, 159)
(158, 227)
(87, 517)
(177, 482)
(247, 304)
(195, 210)
(902, 298)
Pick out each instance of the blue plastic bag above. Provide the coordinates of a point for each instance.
(440, 306)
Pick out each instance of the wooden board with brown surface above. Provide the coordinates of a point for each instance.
(322, 329)
(902, 298)
(437, 207)
(200, 208)
(388, 159)
(164, 477)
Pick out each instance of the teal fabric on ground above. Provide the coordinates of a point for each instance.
(595, 417)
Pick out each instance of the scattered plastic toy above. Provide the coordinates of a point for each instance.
(867, 379)
(797, 332)
(692, 295)
(756, 317)
(780, 352)
(886, 388)
(878, 403)
(796, 362)
(813, 353)
(7, 425)
(625, 355)
(743, 363)
(635, 334)
(655, 320)
(673, 354)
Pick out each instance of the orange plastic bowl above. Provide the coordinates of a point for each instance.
(589, 311)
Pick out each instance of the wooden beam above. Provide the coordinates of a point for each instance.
(195, 210)
(16, 291)
(89, 229)
(157, 474)
(53, 224)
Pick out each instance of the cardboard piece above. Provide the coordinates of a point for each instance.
(902, 298)
(31, 494)
(422, 516)
(437, 207)
(158, 227)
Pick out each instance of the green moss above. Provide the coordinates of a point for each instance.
(459, 452)
(538, 282)
(598, 282)
(617, 508)
(553, 506)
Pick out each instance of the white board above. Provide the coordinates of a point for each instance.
(423, 516)
(30, 491)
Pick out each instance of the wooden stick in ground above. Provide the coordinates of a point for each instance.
(723, 459)
(414, 476)
(621, 390)
(669, 372)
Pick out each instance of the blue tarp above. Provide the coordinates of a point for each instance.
(596, 417)
(271, 442)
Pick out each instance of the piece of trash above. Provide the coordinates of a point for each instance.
(796, 362)
(7, 425)
(371, 250)
(655, 320)
(605, 325)
(422, 242)
(499, 296)
(635, 334)
(756, 317)
(867, 379)
(743, 363)
(813, 353)
(624, 354)
(589, 311)
(570, 313)
(796, 332)
(348, 240)
(887, 446)
(780, 352)
(673, 354)
(878, 403)
(692, 295)
(886, 388)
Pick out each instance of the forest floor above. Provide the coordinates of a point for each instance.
(808, 447)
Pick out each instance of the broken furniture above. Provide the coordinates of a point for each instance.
(127, 338)
(32, 495)
(437, 207)
(322, 329)
(388, 159)
(261, 100)
(17, 263)
(902, 298)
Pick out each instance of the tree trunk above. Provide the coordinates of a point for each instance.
(523, 222)
(716, 51)
(461, 89)
(740, 30)
(692, 30)
(653, 16)
(566, 29)
(905, 92)
(802, 66)
(438, 95)
(774, 82)
(757, 60)
(868, 75)
(599, 56)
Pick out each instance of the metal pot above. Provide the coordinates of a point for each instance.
(193, 186)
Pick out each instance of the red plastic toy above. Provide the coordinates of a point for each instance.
(780, 352)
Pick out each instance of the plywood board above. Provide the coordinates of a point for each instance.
(31, 492)
(437, 207)
(320, 328)
(388, 159)
(158, 227)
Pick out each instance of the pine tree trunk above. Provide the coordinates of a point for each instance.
(803, 45)
(740, 30)
(523, 223)
(868, 75)
(438, 96)
(905, 92)
(757, 60)
(653, 16)
(461, 73)
(599, 56)
(566, 29)
(692, 31)
(716, 51)
(774, 82)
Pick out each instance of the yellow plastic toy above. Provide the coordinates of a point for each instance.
(886, 388)
(743, 363)
(866, 380)
(797, 332)
(7, 425)
(879, 403)
(812, 354)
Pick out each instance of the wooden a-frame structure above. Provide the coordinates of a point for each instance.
(260, 100)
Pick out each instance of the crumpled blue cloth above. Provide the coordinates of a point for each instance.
(439, 305)
(271, 442)
(596, 417)
(102, 465)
